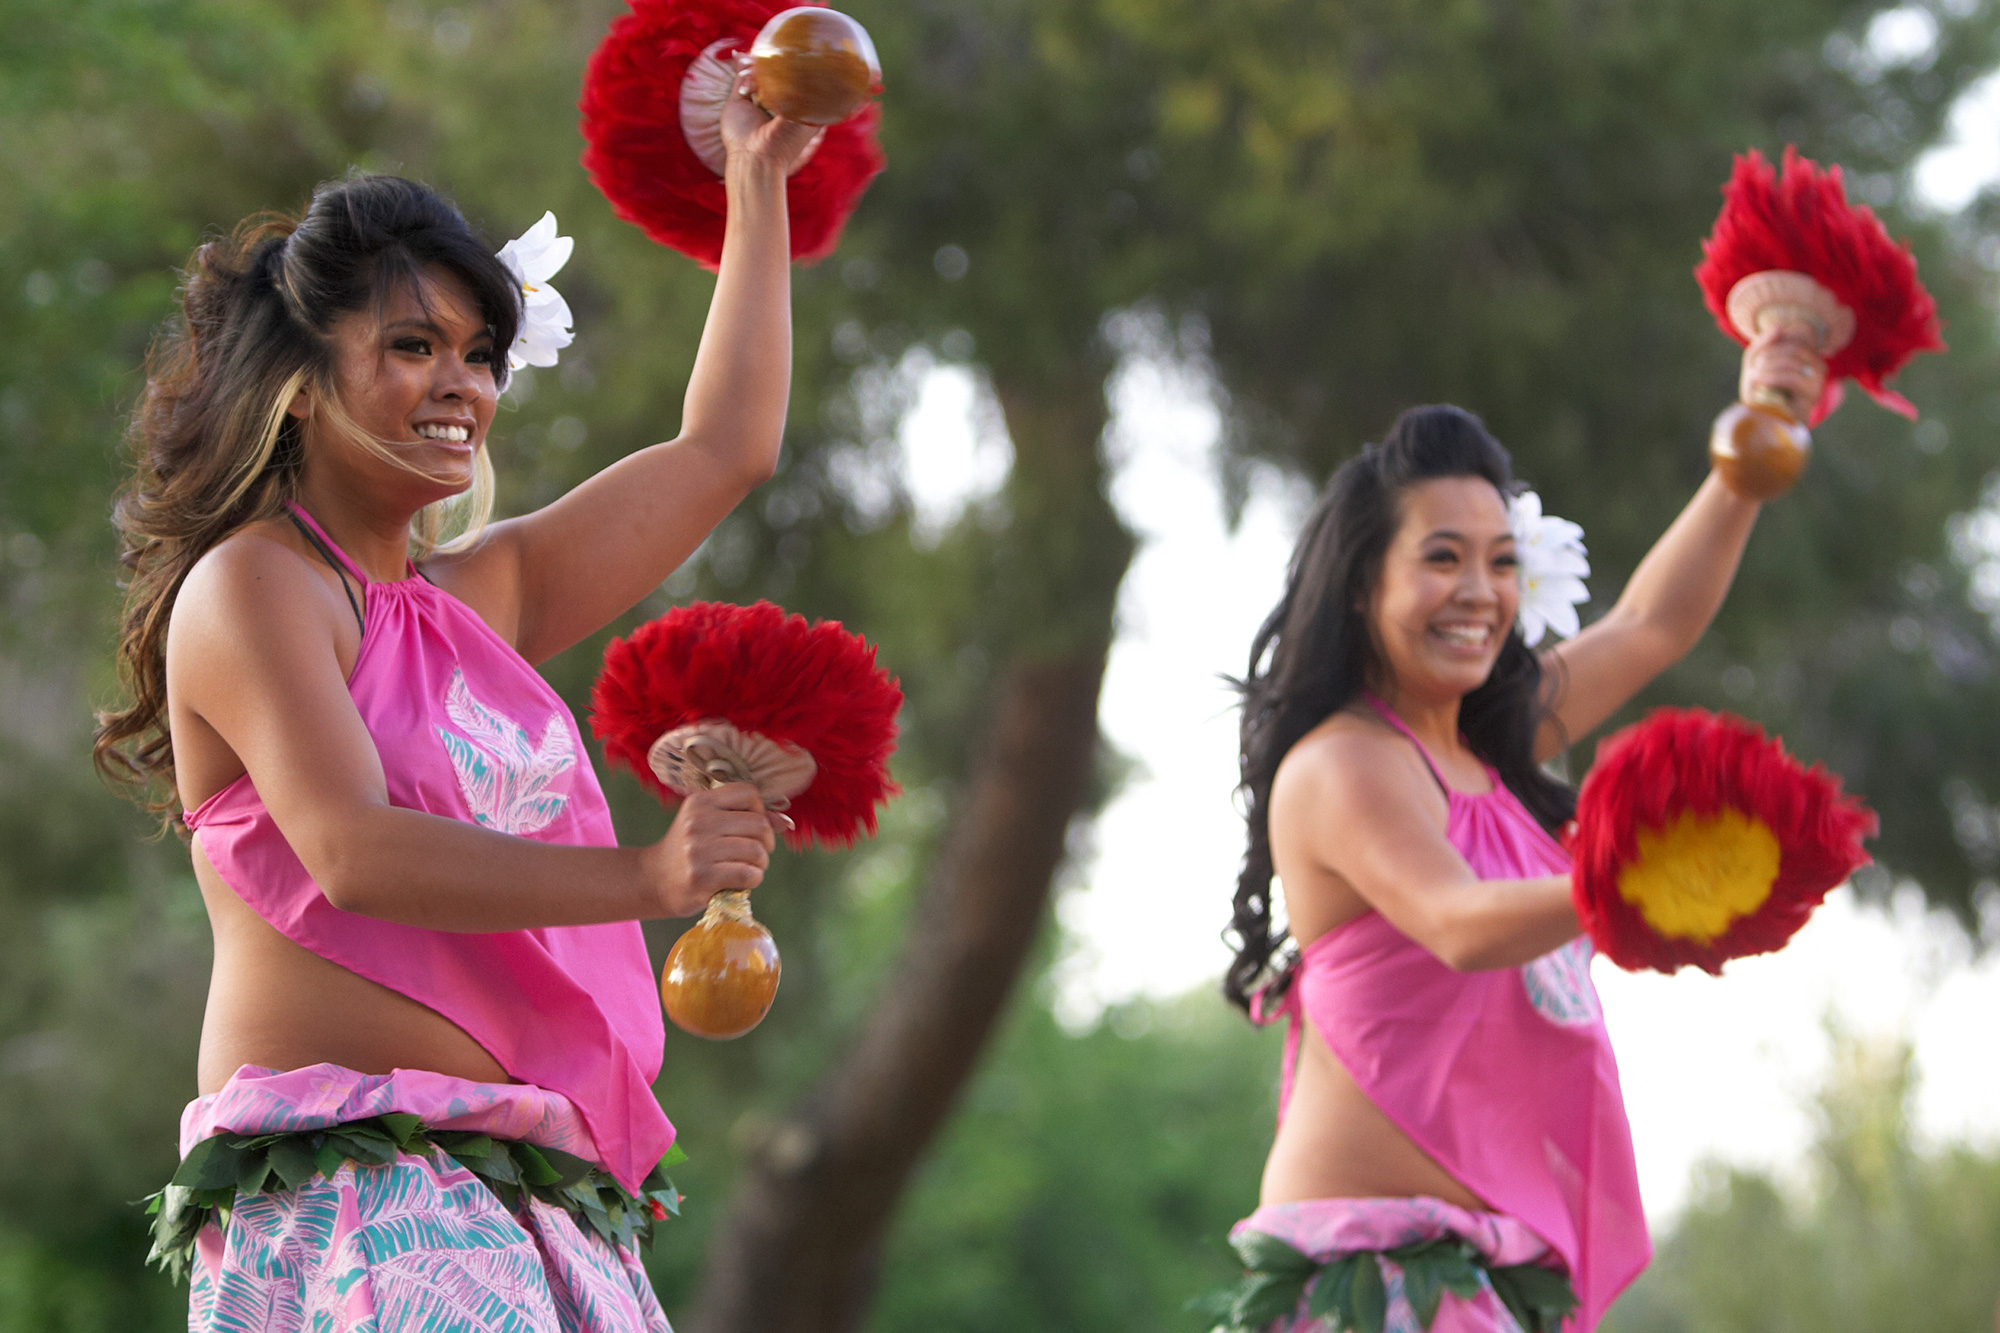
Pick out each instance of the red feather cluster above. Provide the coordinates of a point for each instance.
(637, 155)
(1681, 761)
(1801, 221)
(813, 686)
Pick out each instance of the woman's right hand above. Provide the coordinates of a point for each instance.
(721, 840)
(749, 131)
(1783, 362)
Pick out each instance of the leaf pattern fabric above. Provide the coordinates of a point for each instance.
(1558, 985)
(504, 776)
(411, 1245)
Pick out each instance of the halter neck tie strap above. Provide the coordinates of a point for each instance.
(315, 534)
(1388, 715)
(334, 557)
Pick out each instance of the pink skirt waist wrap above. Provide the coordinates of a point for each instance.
(267, 1101)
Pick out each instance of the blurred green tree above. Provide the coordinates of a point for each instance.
(1024, 1217)
(1887, 1236)
(1499, 206)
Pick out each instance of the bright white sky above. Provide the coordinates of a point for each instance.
(1717, 1068)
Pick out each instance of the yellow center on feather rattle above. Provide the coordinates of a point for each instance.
(1701, 874)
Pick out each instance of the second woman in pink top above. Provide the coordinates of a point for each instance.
(1452, 1148)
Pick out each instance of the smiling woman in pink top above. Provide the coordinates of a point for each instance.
(1452, 1148)
(432, 1031)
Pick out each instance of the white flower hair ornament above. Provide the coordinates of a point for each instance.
(537, 255)
(1553, 566)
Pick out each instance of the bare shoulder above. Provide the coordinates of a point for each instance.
(255, 593)
(1348, 762)
(253, 571)
(1348, 784)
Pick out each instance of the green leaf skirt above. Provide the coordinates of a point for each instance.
(1357, 1291)
(220, 1170)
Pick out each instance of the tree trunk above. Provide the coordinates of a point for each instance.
(800, 1249)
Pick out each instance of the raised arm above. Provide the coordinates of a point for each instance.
(258, 655)
(560, 574)
(1673, 595)
(1676, 590)
(1358, 822)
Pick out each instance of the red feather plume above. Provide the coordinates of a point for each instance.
(813, 686)
(1800, 220)
(636, 154)
(1682, 761)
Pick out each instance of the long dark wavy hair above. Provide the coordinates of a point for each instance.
(1311, 656)
(214, 448)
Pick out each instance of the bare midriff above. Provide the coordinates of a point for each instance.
(279, 1005)
(1334, 1143)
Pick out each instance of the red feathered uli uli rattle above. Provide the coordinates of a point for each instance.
(712, 693)
(1698, 840)
(1818, 293)
(653, 97)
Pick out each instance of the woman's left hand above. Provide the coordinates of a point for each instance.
(749, 131)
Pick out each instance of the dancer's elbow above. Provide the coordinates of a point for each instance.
(346, 875)
(1473, 944)
(1473, 955)
(345, 890)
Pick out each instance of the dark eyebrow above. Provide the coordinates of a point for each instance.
(1454, 535)
(430, 327)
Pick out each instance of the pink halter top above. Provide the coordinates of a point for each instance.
(1504, 1077)
(468, 730)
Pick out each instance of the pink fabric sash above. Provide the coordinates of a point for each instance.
(1505, 1077)
(1326, 1229)
(467, 730)
(270, 1101)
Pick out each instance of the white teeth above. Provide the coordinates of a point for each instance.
(1471, 636)
(456, 434)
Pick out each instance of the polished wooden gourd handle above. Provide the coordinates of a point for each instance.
(1760, 444)
(721, 976)
(1759, 449)
(814, 65)
(722, 973)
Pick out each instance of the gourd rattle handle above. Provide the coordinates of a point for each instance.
(814, 65)
(1759, 448)
(721, 976)
(1760, 444)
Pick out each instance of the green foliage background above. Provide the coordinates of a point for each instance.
(1881, 1233)
(1341, 210)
